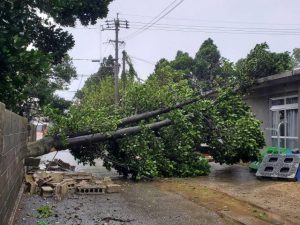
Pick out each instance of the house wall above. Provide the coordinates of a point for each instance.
(13, 140)
(259, 102)
(260, 107)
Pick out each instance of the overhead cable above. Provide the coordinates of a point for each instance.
(159, 17)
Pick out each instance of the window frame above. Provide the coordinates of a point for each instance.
(284, 107)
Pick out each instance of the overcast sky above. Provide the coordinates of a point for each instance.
(234, 25)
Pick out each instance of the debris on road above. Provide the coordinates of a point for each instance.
(59, 165)
(113, 188)
(47, 191)
(59, 184)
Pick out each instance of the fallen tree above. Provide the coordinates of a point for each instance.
(156, 141)
(48, 144)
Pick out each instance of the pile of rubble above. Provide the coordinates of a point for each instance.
(59, 184)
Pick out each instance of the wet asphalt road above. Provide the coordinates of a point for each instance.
(137, 204)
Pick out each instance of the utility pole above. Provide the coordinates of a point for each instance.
(123, 76)
(115, 25)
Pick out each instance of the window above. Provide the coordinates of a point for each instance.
(285, 112)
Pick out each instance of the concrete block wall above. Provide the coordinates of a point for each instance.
(13, 141)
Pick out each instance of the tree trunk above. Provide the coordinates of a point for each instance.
(147, 115)
(45, 145)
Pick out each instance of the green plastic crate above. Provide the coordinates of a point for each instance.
(275, 150)
(269, 150)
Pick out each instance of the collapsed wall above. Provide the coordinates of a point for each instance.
(14, 134)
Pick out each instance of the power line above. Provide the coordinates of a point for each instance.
(222, 31)
(142, 60)
(167, 13)
(159, 17)
(215, 21)
(217, 27)
(156, 20)
(143, 24)
(165, 9)
(226, 32)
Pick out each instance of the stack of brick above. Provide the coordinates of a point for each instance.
(60, 184)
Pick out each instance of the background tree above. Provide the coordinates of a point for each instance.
(41, 91)
(261, 62)
(30, 45)
(182, 62)
(106, 70)
(161, 63)
(206, 70)
(106, 73)
(207, 61)
(296, 56)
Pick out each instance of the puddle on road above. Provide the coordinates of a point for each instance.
(232, 174)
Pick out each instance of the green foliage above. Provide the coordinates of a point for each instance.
(43, 88)
(106, 70)
(94, 113)
(67, 12)
(211, 70)
(151, 154)
(234, 132)
(45, 211)
(130, 74)
(33, 49)
(60, 103)
(182, 62)
(161, 63)
(225, 124)
(208, 69)
(164, 88)
(261, 62)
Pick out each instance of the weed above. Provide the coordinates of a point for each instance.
(45, 211)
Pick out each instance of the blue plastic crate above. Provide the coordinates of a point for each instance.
(298, 174)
